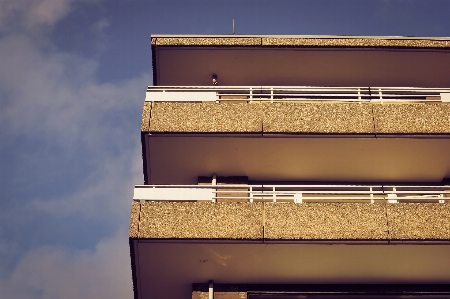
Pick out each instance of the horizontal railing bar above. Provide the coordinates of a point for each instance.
(196, 186)
(417, 192)
(289, 186)
(440, 200)
(326, 186)
(444, 186)
(374, 89)
(278, 198)
(281, 193)
(261, 186)
(355, 92)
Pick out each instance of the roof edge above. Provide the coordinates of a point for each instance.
(297, 36)
(299, 41)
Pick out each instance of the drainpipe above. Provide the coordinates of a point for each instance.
(211, 289)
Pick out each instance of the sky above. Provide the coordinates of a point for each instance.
(73, 75)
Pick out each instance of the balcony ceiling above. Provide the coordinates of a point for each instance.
(301, 66)
(167, 270)
(174, 159)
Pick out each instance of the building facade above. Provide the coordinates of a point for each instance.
(294, 167)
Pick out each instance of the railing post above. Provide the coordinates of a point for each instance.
(371, 195)
(274, 198)
(381, 95)
(271, 94)
(392, 197)
(210, 289)
(251, 94)
(251, 194)
(214, 183)
(359, 95)
(298, 197)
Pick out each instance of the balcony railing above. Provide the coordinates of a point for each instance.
(295, 93)
(293, 193)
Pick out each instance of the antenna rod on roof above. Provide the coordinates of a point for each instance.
(233, 28)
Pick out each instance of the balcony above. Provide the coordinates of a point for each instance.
(300, 60)
(321, 213)
(296, 93)
(280, 234)
(365, 135)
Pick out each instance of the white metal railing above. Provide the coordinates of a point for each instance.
(295, 93)
(293, 193)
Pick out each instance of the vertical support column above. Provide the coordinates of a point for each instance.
(211, 290)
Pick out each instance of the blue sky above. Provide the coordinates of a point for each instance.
(73, 75)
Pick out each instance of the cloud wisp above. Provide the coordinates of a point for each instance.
(32, 14)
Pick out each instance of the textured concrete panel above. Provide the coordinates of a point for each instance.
(134, 220)
(219, 295)
(300, 42)
(206, 117)
(318, 118)
(355, 42)
(200, 295)
(419, 221)
(230, 295)
(321, 117)
(340, 221)
(208, 41)
(412, 118)
(145, 123)
(200, 220)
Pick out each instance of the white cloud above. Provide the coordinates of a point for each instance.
(54, 96)
(55, 272)
(53, 100)
(30, 14)
(53, 90)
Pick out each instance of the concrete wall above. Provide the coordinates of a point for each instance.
(297, 118)
(291, 222)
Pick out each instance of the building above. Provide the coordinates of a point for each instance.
(294, 167)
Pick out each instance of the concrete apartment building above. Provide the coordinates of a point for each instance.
(294, 167)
